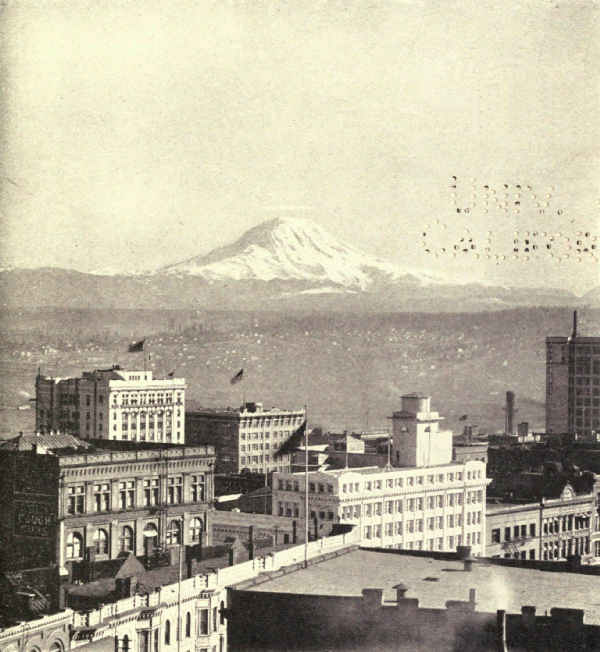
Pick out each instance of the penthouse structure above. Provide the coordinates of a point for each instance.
(113, 404)
(424, 502)
(573, 385)
(65, 502)
(245, 439)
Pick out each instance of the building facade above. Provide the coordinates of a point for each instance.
(113, 404)
(422, 501)
(573, 385)
(64, 506)
(551, 529)
(430, 508)
(245, 439)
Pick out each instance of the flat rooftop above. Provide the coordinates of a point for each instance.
(435, 581)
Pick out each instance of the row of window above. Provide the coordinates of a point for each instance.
(374, 532)
(167, 436)
(277, 434)
(101, 540)
(148, 398)
(262, 422)
(102, 494)
(254, 459)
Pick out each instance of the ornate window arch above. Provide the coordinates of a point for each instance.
(196, 528)
(173, 533)
(126, 539)
(101, 541)
(74, 545)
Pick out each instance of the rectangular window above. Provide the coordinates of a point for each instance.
(496, 535)
(532, 529)
(203, 622)
(174, 490)
(197, 488)
(102, 497)
(76, 499)
(151, 491)
(127, 494)
(507, 533)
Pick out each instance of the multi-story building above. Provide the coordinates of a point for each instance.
(424, 502)
(246, 439)
(113, 404)
(550, 529)
(573, 385)
(109, 497)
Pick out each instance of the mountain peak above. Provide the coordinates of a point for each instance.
(294, 249)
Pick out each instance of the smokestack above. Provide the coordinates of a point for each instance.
(574, 333)
(501, 631)
(251, 542)
(510, 412)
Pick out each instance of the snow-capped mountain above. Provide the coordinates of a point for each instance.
(296, 249)
(289, 264)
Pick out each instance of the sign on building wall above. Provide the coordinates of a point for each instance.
(33, 519)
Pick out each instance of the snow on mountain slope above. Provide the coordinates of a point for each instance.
(295, 249)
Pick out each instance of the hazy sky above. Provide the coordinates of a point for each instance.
(137, 134)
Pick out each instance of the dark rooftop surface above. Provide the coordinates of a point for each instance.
(497, 587)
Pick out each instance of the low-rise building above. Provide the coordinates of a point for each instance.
(100, 499)
(549, 529)
(245, 439)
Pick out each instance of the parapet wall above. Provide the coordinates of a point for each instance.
(261, 620)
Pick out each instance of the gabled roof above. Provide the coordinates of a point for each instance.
(49, 441)
(131, 567)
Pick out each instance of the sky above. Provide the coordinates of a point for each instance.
(137, 134)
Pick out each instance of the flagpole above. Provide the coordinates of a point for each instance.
(305, 487)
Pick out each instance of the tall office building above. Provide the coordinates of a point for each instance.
(573, 385)
(113, 404)
(246, 438)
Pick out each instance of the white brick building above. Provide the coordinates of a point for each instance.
(113, 404)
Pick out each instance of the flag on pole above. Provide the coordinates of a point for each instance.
(464, 417)
(293, 441)
(237, 377)
(136, 346)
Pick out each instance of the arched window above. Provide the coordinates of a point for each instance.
(196, 529)
(168, 632)
(125, 647)
(74, 545)
(101, 542)
(126, 539)
(173, 533)
(188, 624)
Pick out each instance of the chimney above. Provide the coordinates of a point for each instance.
(574, 333)
(501, 631)
(510, 412)
(251, 542)
(401, 590)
